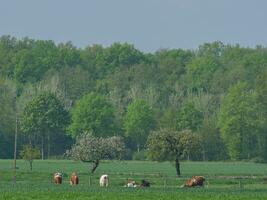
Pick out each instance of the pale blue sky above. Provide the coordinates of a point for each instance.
(148, 24)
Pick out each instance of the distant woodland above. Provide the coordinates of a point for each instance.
(215, 94)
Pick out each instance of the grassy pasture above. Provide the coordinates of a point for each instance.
(225, 180)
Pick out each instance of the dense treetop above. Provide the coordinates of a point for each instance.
(217, 91)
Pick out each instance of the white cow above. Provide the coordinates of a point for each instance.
(131, 184)
(103, 181)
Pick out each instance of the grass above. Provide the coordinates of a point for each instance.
(225, 180)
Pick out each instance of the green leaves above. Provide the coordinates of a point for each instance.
(237, 121)
(189, 117)
(92, 113)
(44, 115)
(138, 121)
(28, 153)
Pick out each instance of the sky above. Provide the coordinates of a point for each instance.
(147, 24)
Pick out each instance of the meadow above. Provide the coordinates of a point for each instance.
(224, 180)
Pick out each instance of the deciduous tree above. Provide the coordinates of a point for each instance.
(91, 149)
(92, 113)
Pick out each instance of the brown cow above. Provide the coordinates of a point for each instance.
(57, 178)
(194, 181)
(74, 180)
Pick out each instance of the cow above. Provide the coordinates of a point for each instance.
(131, 184)
(74, 180)
(103, 181)
(145, 183)
(57, 178)
(194, 181)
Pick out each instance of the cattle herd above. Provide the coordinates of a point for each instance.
(104, 180)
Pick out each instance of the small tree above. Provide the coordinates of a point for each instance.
(170, 145)
(91, 149)
(28, 153)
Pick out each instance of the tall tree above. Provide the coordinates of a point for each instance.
(7, 117)
(189, 117)
(261, 102)
(32, 63)
(237, 121)
(44, 116)
(92, 113)
(138, 122)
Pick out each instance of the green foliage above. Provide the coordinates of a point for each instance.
(92, 113)
(261, 97)
(168, 119)
(165, 145)
(168, 80)
(138, 122)
(141, 155)
(7, 106)
(238, 122)
(44, 117)
(31, 64)
(28, 153)
(211, 141)
(190, 144)
(189, 117)
(44, 114)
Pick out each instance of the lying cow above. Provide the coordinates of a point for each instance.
(103, 181)
(194, 181)
(145, 183)
(131, 184)
(57, 178)
(74, 180)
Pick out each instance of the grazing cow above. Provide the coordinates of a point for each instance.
(145, 183)
(194, 181)
(57, 178)
(131, 184)
(103, 181)
(74, 180)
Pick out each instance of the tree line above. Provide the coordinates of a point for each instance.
(213, 99)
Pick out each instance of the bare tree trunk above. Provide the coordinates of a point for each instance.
(203, 155)
(30, 164)
(177, 166)
(48, 146)
(42, 148)
(15, 150)
(95, 165)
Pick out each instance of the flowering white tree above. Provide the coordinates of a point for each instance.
(91, 149)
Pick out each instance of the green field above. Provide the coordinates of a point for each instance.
(224, 180)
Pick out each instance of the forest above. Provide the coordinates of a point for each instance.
(215, 96)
